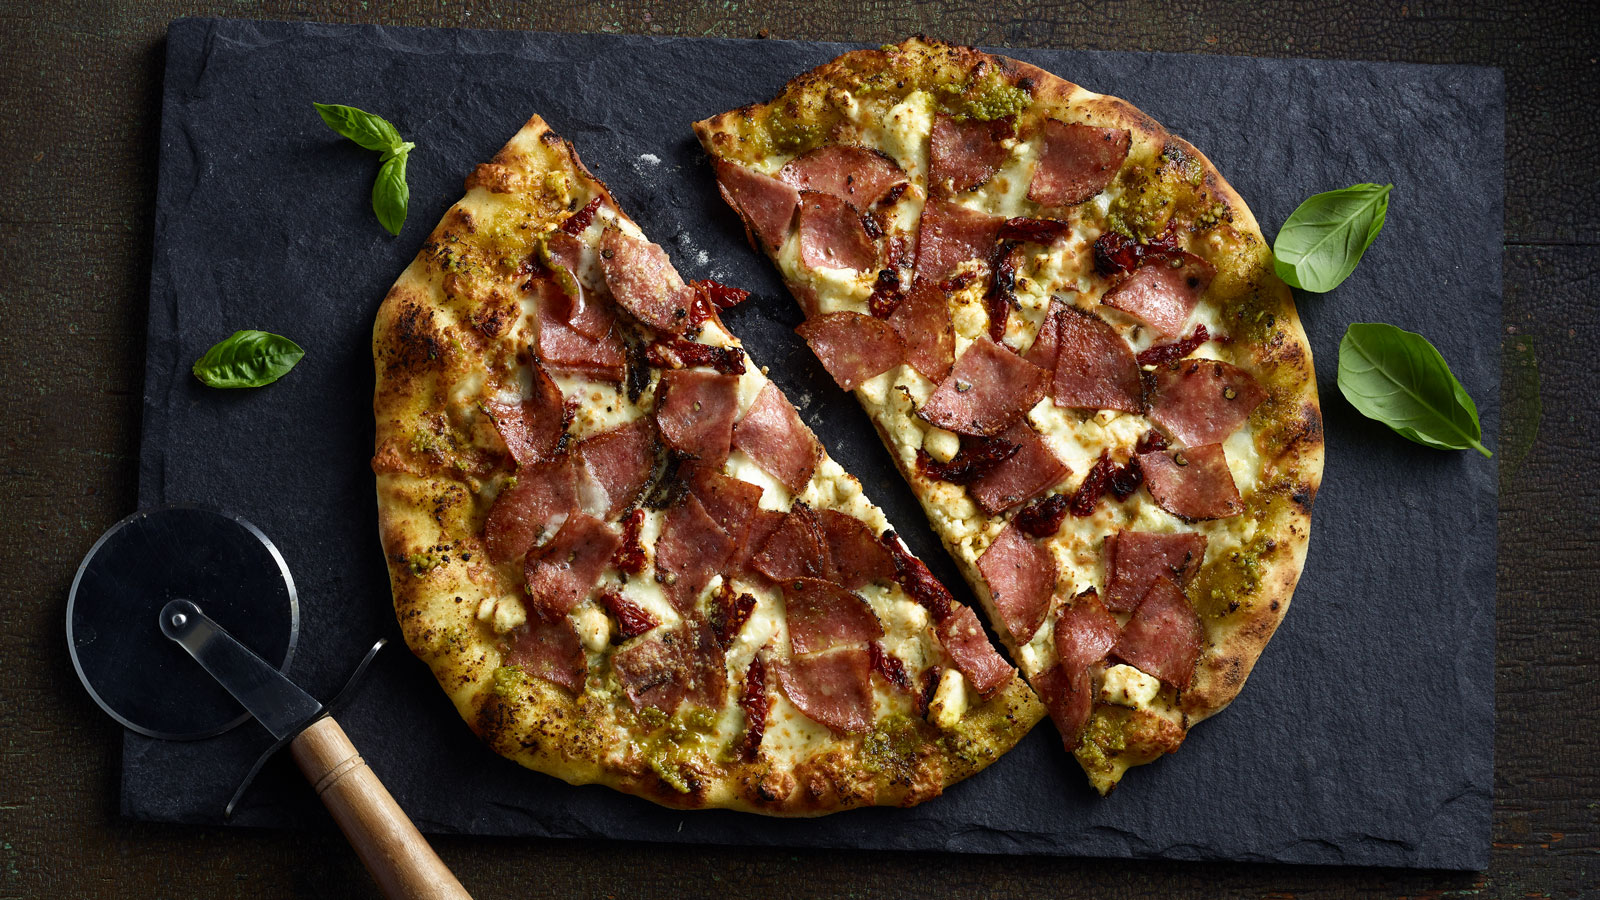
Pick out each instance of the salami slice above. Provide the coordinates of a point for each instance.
(1042, 352)
(1094, 366)
(832, 236)
(1164, 636)
(853, 347)
(588, 312)
(1026, 474)
(1135, 559)
(565, 350)
(772, 435)
(695, 412)
(690, 551)
(766, 204)
(969, 647)
(989, 388)
(1085, 632)
(833, 688)
(1202, 401)
(1193, 483)
(561, 573)
(951, 234)
(1163, 292)
(858, 555)
(532, 428)
(822, 615)
(617, 463)
(858, 175)
(1069, 697)
(1021, 575)
(549, 650)
(664, 669)
(922, 320)
(962, 155)
(797, 548)
(1076, 162)
(729, 501)
(530, 509)
(644, 282)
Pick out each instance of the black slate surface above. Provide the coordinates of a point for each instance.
(1364, 736)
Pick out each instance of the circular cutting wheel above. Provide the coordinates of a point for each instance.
(222, 563)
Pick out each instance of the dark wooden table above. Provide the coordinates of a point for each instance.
(79, 103)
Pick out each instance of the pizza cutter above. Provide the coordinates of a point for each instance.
(181, 622)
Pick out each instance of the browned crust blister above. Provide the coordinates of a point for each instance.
(1241, 602)
(447, 322)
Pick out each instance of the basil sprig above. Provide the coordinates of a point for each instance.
(390, 194)
(247, 359)
(1323, 239)
(1396, 377)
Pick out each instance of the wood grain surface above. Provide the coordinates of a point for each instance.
(79, 103)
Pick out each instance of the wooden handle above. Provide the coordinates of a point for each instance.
(392, 848)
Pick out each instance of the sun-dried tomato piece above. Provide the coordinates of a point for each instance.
(721, 295)
(755, 703)
(710, 297)
(1115, 253)
(914, 578)
(889, 666)
(578, 221)
(957, 281)
(1127, 478)
(1035, 231)
(1002, 293)
(886, 294)
(673, 352)
(632, 620)
(729, 613)
(1094, 485)
(976, 458)
(1163, 354)
(930, 684)
(871, 225)
(1042, 518)
(629, 557)
(638, 374)
(1150, 442)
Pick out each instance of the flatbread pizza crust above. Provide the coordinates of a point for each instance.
(886, 100)
(454, 334)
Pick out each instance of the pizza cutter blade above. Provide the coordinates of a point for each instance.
(180, 623)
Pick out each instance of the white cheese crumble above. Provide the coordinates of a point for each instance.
(594, 627)
(949, 700)
(1124, 685)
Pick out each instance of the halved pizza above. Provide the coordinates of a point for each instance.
(1066, 327)
(623, 554)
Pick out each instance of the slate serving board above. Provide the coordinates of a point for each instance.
(1364, 736)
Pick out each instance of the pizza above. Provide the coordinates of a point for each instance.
(1065, 325)
(625, 557)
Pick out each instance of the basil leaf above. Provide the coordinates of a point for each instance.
(247, 359)
(370, 131)
(390, 194)
(1324, 238)
(1399, 379)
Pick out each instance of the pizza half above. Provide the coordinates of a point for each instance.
(625, 557)
(1065, 325)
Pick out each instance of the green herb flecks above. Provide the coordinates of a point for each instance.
(1323, 239)
(1396, 377)
(390, 194)
(247, 359)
